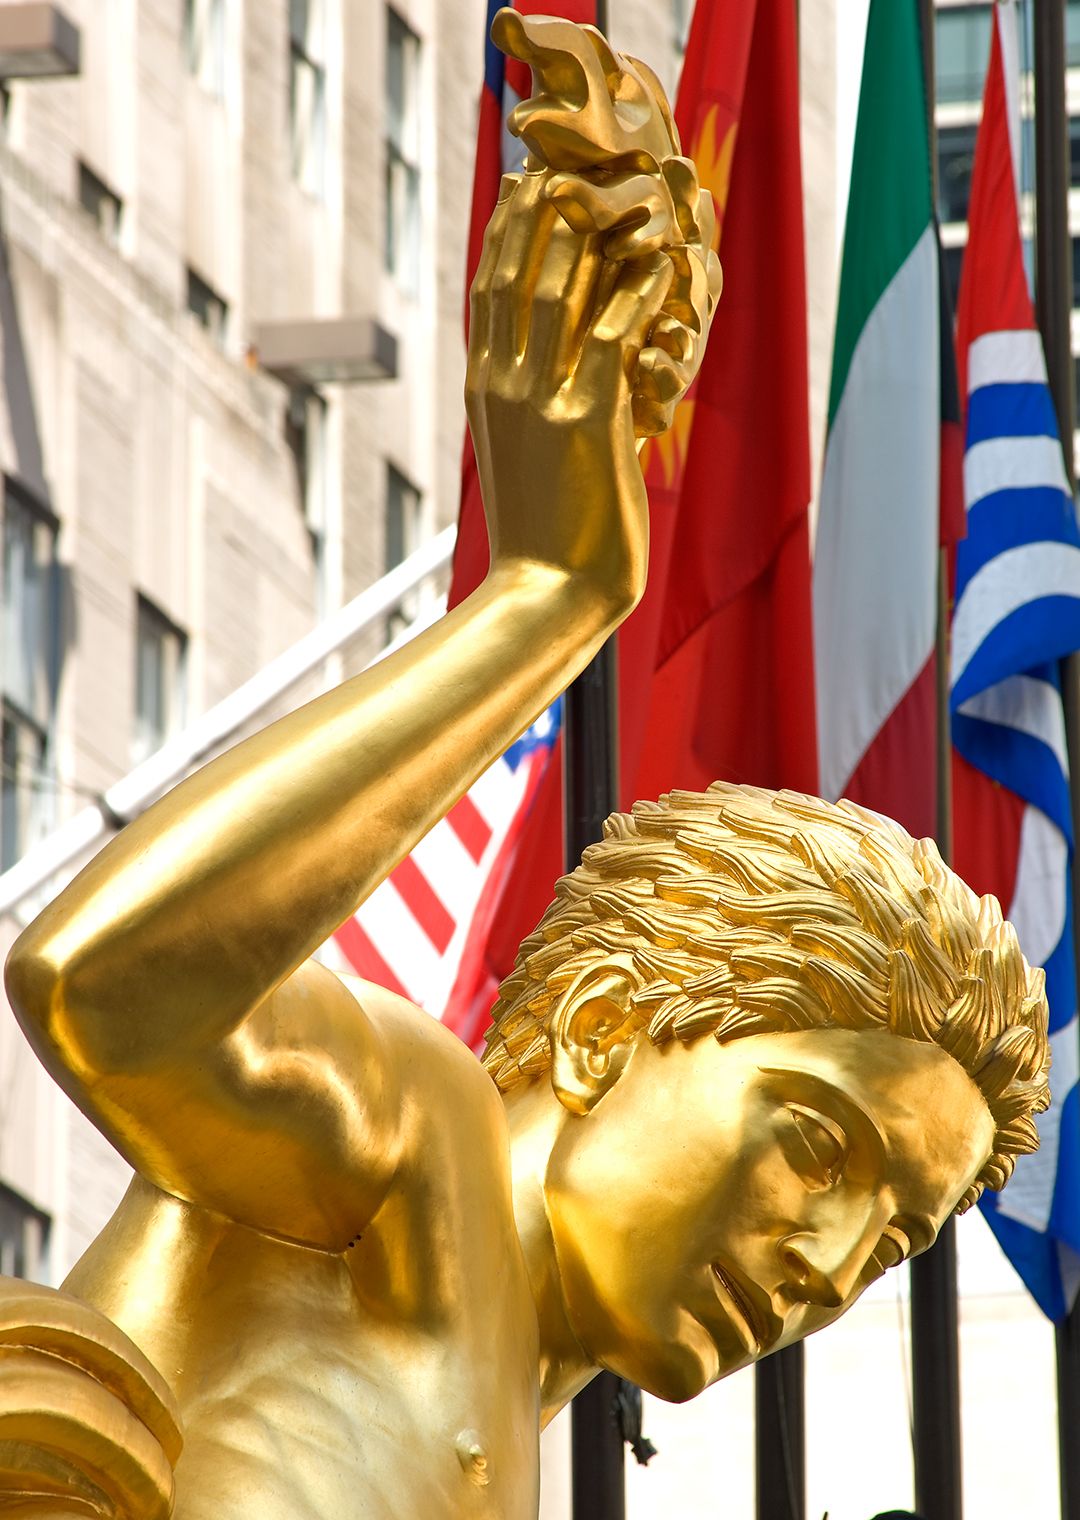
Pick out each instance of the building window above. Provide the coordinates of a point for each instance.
(28, 648)
(402, 153)
(305, 435)
(1072, 33)
(204, 44)
(408, 525)
(962, 38)
(681, 12)
(307, 94)
(103, 204)
(24, 1236)
(159, 679)
(24, 785)
(211, 309)
(956, 155)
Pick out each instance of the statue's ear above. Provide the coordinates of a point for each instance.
(592, 1028)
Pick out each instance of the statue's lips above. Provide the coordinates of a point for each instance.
(755, 1324)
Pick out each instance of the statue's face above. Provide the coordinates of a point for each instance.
(723, 1200)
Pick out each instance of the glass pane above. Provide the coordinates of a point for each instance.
(962, 51)
(27, 610)
(395, 82)
(402, 65)
(956, 154)
(298, 23)
(159, 658)
(22, 787)
(1072, 32)
(307, 105)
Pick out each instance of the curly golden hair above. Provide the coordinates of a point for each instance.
(749, 911)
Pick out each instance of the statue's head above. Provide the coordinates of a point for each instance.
(776, 1043)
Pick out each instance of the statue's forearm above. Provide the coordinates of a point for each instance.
(202, 906)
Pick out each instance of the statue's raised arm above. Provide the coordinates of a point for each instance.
(163, 988)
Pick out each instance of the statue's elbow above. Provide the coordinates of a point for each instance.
(34, 979)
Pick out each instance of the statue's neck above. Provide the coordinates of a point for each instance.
(535, 1117)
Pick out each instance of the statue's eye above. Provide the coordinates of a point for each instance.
(822, 1147)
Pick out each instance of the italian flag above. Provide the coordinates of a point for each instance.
(876, 556)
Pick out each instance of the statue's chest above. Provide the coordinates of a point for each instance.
(323, 1409)
(404, 1434)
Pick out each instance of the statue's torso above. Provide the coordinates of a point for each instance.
(398, 1379)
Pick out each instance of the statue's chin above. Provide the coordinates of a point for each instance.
(676, 1371)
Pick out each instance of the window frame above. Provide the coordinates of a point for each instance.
(37, 1230)
(308, 149)
(403, 222)
(204, 34)
(29, 668)
(414, 528)
(150, 731)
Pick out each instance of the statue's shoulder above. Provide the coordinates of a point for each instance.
(416, 1041)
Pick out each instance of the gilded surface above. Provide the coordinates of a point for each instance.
(757, 1052)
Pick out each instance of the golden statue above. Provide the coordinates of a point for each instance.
(757, 1051)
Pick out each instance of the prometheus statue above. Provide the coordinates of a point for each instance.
(757, 1051)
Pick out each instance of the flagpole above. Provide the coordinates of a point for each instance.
(780, 1413)
(591, 782)
(1053, 289)
(935, 1330)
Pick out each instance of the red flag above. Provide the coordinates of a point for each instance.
(733, 696)
(506, 81)
(715, 666)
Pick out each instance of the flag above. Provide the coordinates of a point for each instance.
(1017, 613)
(716, 664)
(879, 529)
(726, 623)
(420, 931)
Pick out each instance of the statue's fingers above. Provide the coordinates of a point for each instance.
(521, 256)
(660, 382)
(480, 292)
(54, 1417)
(621, 328)
(636, 210)
(564, 300)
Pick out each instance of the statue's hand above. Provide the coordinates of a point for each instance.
(557, 330)
(591, 306)
(87, 1426)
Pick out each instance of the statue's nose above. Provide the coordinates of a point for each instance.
(819, 1272)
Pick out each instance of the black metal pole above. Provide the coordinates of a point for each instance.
(590, 772)
(935, 1329)
(780, 1413)
(780, 1435)
(1053, 290)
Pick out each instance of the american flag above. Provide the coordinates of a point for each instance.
(422, 932)
(1017, 613)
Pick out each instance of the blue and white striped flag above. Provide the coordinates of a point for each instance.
(1017, 613)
